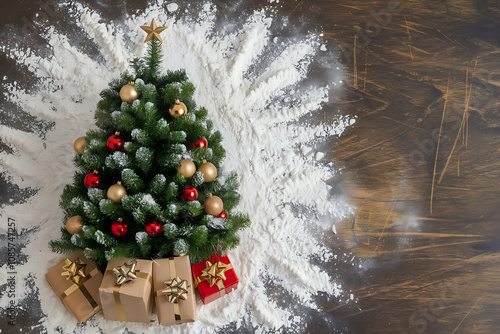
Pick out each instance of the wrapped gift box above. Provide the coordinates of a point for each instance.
(174, 290)
(214, 278)
(126, 290)
(76, 281)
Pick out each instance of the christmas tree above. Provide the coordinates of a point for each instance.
(146, 184)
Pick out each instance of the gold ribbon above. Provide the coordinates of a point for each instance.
(118, 302)
(126, 273)
(75, 271)
(214, 274)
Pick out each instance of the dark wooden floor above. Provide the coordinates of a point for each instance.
(421, 162)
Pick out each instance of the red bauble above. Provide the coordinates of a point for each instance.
(154, 228)
(115, 143)
(202, 143)
(119, 228)
(189, 194)
(92, 180)
(223, 214)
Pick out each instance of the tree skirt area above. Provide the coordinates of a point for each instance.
(264, 82)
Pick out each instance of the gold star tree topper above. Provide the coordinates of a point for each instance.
(153, 30)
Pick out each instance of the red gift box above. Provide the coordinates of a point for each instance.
(214, 278)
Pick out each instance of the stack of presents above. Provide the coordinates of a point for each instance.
(128, 288)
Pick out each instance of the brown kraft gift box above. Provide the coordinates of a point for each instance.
(79, 293)
(132, 300)
(165, 270)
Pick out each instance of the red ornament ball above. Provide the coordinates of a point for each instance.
(223, 214)
(189, 194)
(92, 180)
(154, 228)
(119, 228)
(202, 143)
(115, 142)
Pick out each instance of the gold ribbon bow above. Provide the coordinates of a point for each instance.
(125, 273)
(214, 274)
(74, 270)
(176, 289)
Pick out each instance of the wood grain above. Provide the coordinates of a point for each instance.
(422, 164)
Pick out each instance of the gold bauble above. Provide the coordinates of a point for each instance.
(116, 192)
(74, 224)
(209, 171)
(79, 145)
(128, 93)
(187, 168)
(178, 109)
(213, 205)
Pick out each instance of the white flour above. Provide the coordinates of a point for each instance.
(283, 175)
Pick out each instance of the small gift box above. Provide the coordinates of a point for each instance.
(76, 281)
(174, 290)
(214, 278)
(126, 290)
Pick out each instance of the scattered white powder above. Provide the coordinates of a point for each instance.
(256, 106)
(172, 7)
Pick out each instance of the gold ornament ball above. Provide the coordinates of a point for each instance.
(116, 192)
(79, 145)
(74, 224)
(209, 171)
(213, 205)
(178, 109)
(128, 93)
(187, 168)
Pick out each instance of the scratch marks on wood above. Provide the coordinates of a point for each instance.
(380, 163)
(439, 141)
(355, 72)
(405, 124)
(298, 5)
(385, 225)
(440, 245)
(377, 144)
(356, 219)
(461, 130)
(418, 49)
(455, 188)
(424, 234)
(353, 7)
(460, 323)
(435, 219)
(451, 40)
(364, 78)
(413, 29)
(409, 43)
